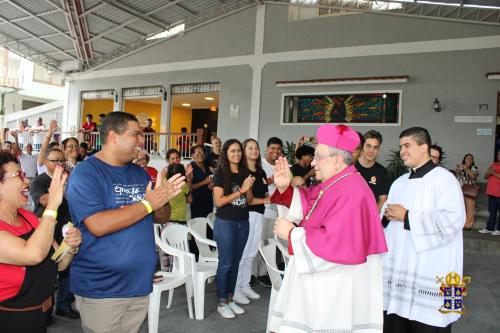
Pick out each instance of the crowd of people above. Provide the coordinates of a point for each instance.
(357, 235)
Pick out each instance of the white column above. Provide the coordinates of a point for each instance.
(165, 119)
(118, 100)
(257, 66)
(71, 110)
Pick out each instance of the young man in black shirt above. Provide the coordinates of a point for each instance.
(302, 168)
(374, 173)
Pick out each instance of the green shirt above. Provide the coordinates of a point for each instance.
(178, 205)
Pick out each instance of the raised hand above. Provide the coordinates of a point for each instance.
(247, 184)
(56, 189)
(164, 191)
(281, 174)
(53, 126)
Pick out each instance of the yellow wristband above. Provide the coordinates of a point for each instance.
(49, 212)
(148, 206)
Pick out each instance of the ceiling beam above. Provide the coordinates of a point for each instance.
(17, 26)
(79, 29)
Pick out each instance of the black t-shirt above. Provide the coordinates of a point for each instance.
(212, 160)
(236, 210)
(376, 177)
(259, 190)
(40, 186)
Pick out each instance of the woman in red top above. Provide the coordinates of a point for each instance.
(143, 161)
(493, 192)
(27, 273)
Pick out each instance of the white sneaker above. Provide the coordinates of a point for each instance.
(241, 298)
(485, 231)
(225, 311)
(236, 309)
(496, 233)
(250, 293)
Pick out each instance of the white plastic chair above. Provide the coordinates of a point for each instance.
(176, 235)
(198, 227)
(267, 249)
(211, 219)
(183, 274)
(157, 231)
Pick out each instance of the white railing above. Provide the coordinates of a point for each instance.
(156, 144)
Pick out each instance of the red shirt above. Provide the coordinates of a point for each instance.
(493, 185)
(153, 173)
(12, 276)
(92, 126)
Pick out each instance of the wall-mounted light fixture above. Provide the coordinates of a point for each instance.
(436, 106)
(116, 96)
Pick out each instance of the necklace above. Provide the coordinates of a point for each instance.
(320, 195)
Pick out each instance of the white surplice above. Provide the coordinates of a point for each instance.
(320, 296)
(433, 247)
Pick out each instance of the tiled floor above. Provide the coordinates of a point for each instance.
(483, 307)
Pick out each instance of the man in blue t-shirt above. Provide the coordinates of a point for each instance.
(113, 205)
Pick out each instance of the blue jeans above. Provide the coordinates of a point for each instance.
(231, 237)
(493, 208)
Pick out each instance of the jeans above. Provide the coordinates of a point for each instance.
(231, 237)
(256, 222)
(64, 297)
(493, 208)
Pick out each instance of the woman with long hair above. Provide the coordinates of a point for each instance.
(251, 159)
(232, 193)
(467, 174)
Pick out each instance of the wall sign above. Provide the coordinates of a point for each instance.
(484, 131)
(473, 119)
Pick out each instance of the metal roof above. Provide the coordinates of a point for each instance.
(92, 33)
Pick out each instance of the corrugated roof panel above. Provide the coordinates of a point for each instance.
(200, 5)
(38, 45)
(145, 27)
(60, 56)
(142, 6)
(103, 46)
(90, 3)
(60, 41)
(56, 19)
(36, 27)
(114, 15)
(10, 12)
(13, 32)
(125, 36)
(97, 24)
(35, 7)
(172, 14)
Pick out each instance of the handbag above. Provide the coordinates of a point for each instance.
(470, 190)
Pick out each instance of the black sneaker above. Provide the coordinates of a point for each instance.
(68, 313)
(265, 281)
